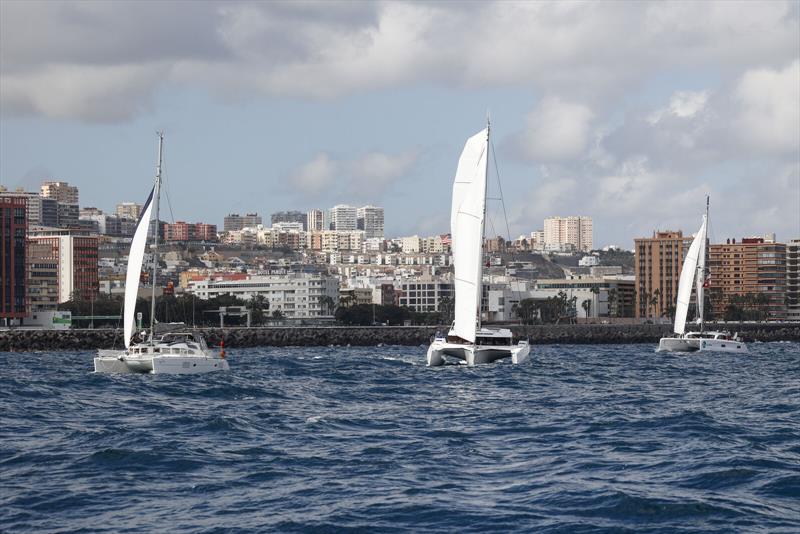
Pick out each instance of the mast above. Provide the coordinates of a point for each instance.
(155, 241)
(483, 220)
(701, 305)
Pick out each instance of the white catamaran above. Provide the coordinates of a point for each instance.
(177, 352)
(467, 340)
(694, 273)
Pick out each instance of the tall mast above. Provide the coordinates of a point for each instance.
(705, 251)
(483, 220)
(155, 241)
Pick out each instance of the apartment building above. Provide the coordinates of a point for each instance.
(793, 280)
(756, 268)
(129, 210)
(564, 233)
(657, 263)
(297, 295)
(75, 267)
(370, 219)
(344, 217)
(13, 227)
(234, 222)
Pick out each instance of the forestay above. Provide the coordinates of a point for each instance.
(688, 277)
(466, 228)
(135, 259)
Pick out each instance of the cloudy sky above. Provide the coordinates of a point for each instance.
(629, 112)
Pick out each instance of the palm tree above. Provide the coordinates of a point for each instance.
(654, 301)
(587, 307)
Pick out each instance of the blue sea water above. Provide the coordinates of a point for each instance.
(610, 438)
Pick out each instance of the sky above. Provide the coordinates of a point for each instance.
(629, 112)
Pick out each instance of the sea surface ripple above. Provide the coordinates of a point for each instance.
(578, 439)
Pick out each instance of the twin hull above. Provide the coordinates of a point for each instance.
(476, 354)
(174, 365)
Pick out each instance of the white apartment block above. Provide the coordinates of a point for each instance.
(411, 245)
(62, 192)
(129, 210)
(561, 233)
(370, 219)
(344, 217)
(297, 296)
(315, 221)
(341, 241)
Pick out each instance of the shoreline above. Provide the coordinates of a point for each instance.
(23, 340)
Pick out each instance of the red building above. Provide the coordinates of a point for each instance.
(13, 227)
(183, 231)
(63, 263)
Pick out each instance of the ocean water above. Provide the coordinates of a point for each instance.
(583, 438)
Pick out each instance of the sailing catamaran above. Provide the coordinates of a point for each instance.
(694, 272)
(172, 352)
(467, 340)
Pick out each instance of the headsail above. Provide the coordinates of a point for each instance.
(688, 277)
(135, 259)
(466, 228)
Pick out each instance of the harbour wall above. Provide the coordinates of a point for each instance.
(83, 339)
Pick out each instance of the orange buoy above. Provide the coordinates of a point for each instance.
(222, 348)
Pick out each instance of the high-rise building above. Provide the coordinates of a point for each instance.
(13, 226)
(290, 217)
(61, 192)
(370, 219)
(76, 263)
(315, 221)
(344, 217)
(658, 261)
(129, 210)
(40, 211)
(753, 269)
(793, 280)
(569, 232)
(234, 221)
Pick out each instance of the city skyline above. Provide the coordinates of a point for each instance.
(591, 126)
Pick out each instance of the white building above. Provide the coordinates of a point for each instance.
(315, 221)
(563, 232)
(370, 219)
(297, 295)
(589, 261)
(129, 210)
(411, 245)
(344, 217)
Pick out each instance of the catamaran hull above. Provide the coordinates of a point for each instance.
(472, 355)
(173, 365)
(674, 344)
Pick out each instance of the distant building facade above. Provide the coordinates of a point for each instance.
(290, 217)
(569, 232)
(76, 267)
(315, 221)
(129, 210)
(296, 296)
(755, 268)
(343, 218)
(13, 227)
(657, 263)
(793, 280)
(235, 222)
(370, 219)
(183, 231)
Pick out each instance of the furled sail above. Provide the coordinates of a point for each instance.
(689, 276)
(700, 278)
(135, 259)
(466, 228)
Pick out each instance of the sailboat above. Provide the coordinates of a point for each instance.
(175, 352)
(467, 340)
(694, 273)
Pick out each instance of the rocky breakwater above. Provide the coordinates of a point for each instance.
(40, 340)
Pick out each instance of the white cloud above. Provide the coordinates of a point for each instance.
(315, 176)
(556, 130)
(365, 177)
(583, 51)
(769, 109)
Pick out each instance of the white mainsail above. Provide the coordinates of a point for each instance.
(700, 279)
(466, 229)
(688, 277)
(135, 259)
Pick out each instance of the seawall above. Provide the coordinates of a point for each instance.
(83, 339)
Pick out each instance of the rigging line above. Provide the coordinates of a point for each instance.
(165, 185)
(505, 214)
